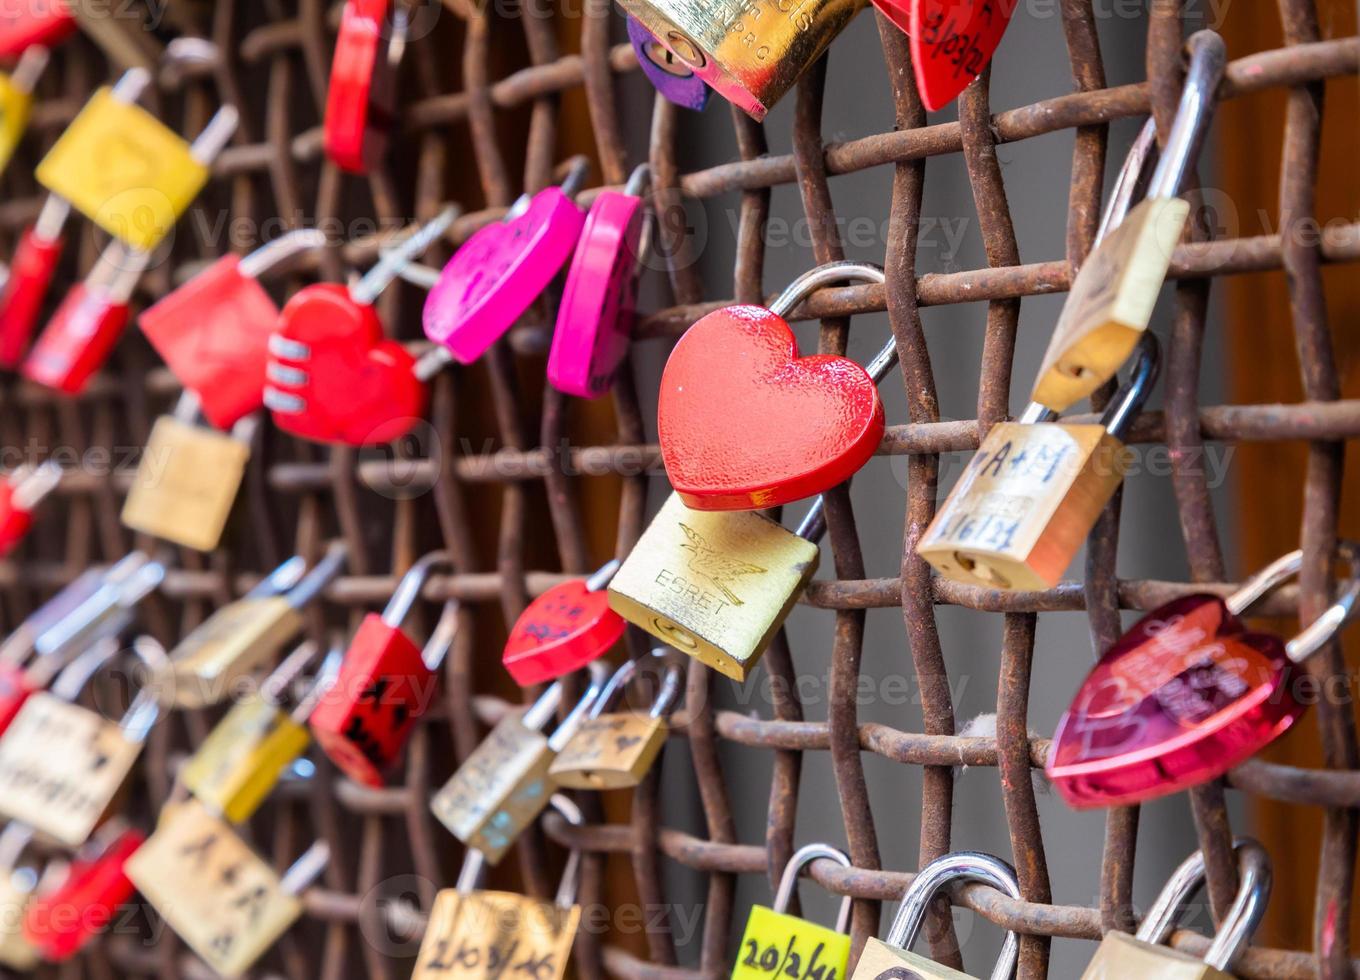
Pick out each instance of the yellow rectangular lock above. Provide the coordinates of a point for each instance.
(776, 945)
(716, 584)
(16, 100)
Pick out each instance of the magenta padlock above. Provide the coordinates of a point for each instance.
(502, 269)
(595, 320)
(668, 74)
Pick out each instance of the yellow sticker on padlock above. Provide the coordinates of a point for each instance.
(124, 170)
(777, 946)
(15, 106)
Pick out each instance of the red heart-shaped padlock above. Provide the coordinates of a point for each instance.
(951, 41)
(335, 377)
(561, 631)
(745, 423)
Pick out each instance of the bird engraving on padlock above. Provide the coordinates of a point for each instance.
(776, 945)
(892, 958)
(1032, 492)
(360, 99)
(668, 75)
(220, 897)
(563, 629)
(1112, 297)
(716, 585)
(1124, 957)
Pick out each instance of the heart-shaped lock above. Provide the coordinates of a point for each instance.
(362, 91)
(564, 629)
(502, 269)
(737, 371)
(595, 320)
(668, 74)
(951, 41)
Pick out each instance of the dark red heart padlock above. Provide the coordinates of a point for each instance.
(385, 683)
(564, 629)
(951, 41)
(737, 371)
(62, 922)
(26, 23)
(1187, 694)
(362, 91)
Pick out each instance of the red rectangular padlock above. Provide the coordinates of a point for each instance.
(60, 923)
(25, 23)
(80, 335)
(19, 495)
(21, 302)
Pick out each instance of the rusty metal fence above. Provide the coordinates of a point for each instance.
(472, 110)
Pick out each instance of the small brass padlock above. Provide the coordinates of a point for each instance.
(240, 636)
(219, 896)
(62, 764)
(892, 958)
(17, 885)
(1113, 295)
(776, 944)
(1032, 492)
(504, 784)
(615, 750)
(481, 935)
(188, 478)
(1125, 957)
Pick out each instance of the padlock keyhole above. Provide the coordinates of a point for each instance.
(667, 60)
(984, 572)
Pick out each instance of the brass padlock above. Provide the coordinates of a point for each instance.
(62, 764)
(481, 935)
(504, 784)
(219, 896)
(776, 945)
(1125, 957)
(188, 477)
(237, 638)
(243, 757)
(615, 750)
(1113, 295)
(892, 958)
(17, 885)
(1032, 492)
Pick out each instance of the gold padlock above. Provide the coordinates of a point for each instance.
(504, 784)
(1032, 492)
(776, 944)
(615, 750)
(480, 935)
(188, 477)
(1124, 957)
(16, 100)
(892, 958)
(17, 885)
(243, 757)
(62, 764)
(237, 638)
(219, 896)
(1113, 295)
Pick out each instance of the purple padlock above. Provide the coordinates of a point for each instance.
(502, 269)
(670, 76)
(595, 320)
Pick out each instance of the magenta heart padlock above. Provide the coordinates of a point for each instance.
(498, 272)
(595, 320)
(668, 74)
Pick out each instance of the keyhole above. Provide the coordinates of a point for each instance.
(665, 59)
(686, 50)
(985, 572)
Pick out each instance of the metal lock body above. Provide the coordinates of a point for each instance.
(715, 585)
(1030, 495)
(236, 639)
(20, 494)
(750, 51)
(504, 784)
(62, 764)
(16, 100)
(892, 958)
(563, 629)
(219, 896)
(385, 683)
(1112, 297)
(615, 750)
(360, 99)
(776, 945)
(1124, 957)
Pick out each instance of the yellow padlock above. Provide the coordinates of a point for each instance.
(16, 100)
(776, 944)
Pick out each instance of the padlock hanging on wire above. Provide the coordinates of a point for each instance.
(668, 75)
(950, 41)
(16, 99)
(362, 91)
(20, 494)
(772, 933)
(563, 629)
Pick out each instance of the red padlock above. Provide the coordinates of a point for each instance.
(33, 22)
(213, 331)
(61, 923)
(19, 496)
(361, 99)
(386, 682)
(564, 629)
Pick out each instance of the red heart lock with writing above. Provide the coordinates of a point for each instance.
(737, 371)
(335, 377)
(561, 631)
(951, 41)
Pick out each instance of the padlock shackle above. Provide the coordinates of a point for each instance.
(1208, 58)
(14, 840)
(280, 580)
(788, 880)
(330, 565)
(938, 874)
(442, 637)
(33, 483)
(1133, 394)
(639, 181)
(1130, 178)
(367, 290)
(326, 677)
(570, 884)
(305, 870)
(619, 680)
(598, 675)
(409, 588)
(123, 586)
(275, 685)
(538, 714)
(578, 169)
(145, 708)
(820, 277)
(470, 872)
(215, 136)
(32, 63)
(78, 673)
(1321, 630)
(280, 250)
(603, 575)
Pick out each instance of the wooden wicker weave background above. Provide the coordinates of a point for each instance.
(491, 85)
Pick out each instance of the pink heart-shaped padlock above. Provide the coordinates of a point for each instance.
(499, 272)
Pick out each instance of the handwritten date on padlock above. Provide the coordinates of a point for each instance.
(783, 947)
(951, 42)
(496, 936)
(561, 631)
(745, 423)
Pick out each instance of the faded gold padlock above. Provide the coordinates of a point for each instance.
(1113, 295)
(220, 897)
(17, 885)
(776, 944)
(616, 749)
(1125, 957)
(188, 477)
(892, 958)
(1032, 492)
(61, 764)
(504, 784)
(236, 639)
(481, 935)
(243, 757)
